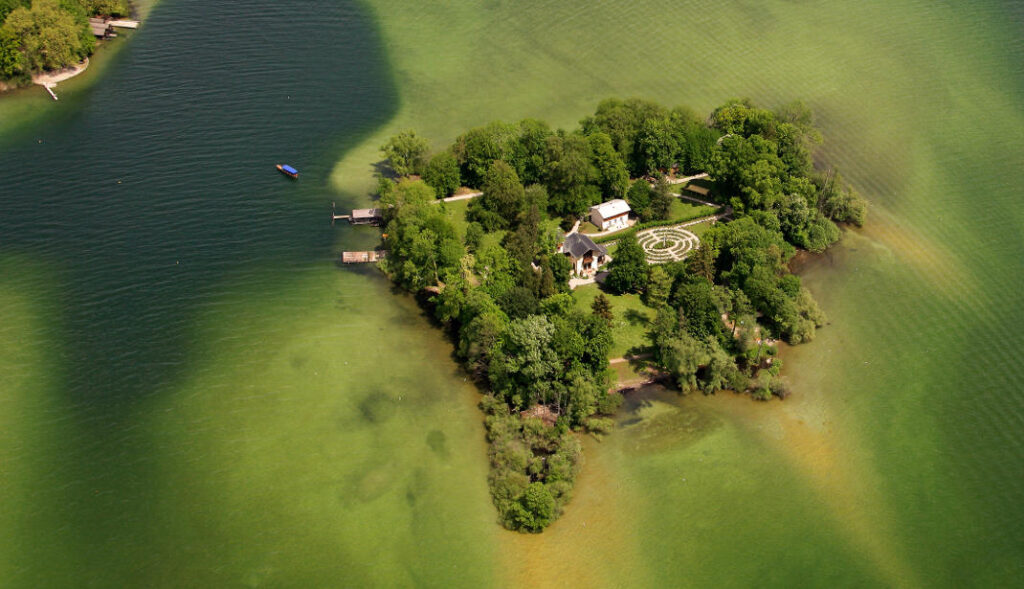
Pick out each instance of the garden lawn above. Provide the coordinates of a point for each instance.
(686, 210)
(699, 229)
(631, 322)
(456, 213)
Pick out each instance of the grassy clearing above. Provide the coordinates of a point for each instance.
(700, 228)
(456, 213)
(682, 209)
(632, 319)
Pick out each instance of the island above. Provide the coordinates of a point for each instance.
(649, 243)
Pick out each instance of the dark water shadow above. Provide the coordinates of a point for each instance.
(151, 200)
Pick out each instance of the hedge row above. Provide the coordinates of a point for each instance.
(641, 226)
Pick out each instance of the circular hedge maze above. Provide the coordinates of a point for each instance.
(667, 244)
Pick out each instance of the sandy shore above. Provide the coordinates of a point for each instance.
(51, 78)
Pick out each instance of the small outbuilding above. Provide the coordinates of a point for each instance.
(367, 217)
(613, 214)
(101, 29)
(585, 255)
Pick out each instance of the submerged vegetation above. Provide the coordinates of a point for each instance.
(497, 281)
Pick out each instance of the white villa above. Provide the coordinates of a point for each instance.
(613, 214)
(585, 255)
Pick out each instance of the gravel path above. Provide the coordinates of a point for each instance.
(667, 244)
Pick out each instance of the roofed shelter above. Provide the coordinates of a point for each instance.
(101, 29)
(585, 255)
(613, 214)
(367, 217)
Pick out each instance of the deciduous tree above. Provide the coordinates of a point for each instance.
(50, 36)
(442, 174)
(627, 271)
(405, 152)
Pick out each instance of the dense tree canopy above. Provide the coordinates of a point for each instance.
(627, 272)
(503, 198)
(442, 174)
(12, 60)
(405, 152)
(51, 37)
(48, 34)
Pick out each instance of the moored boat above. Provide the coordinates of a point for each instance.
(288, 170)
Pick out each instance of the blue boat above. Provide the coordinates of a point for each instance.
(288, 170)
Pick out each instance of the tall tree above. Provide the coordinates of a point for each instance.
(570, 175)
(622, 121)
(627, 271)
(12, 61)
(51, 37)
(602, 307)
(656, 147)
(661, 199)
(405, 152)
(612, 175)
(659, 286)
(6, 6)
(477, 149)
(442, 174)
(639, 199)
(503, 198)
(528, 151)
(524, 367)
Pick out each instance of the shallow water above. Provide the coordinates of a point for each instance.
(194, 394)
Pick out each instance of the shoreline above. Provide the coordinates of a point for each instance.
(51, 79)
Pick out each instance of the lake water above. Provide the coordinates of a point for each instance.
(192, 393)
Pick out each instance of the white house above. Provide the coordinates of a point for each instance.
(613, 214)
(585, 255)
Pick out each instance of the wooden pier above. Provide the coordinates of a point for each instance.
(363, 257)
(49, 88)
(335, 216)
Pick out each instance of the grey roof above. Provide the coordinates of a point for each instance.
(577, 245)
(367, 213)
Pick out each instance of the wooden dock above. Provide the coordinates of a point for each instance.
(363, 257)
(335, 216)
(49, 88)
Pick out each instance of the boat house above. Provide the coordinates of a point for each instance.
(613, 214)
(363, 257)
(101, 29)
(367, 217)
(585, 255)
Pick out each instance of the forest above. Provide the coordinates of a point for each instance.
(492, 276)
(43, 35)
